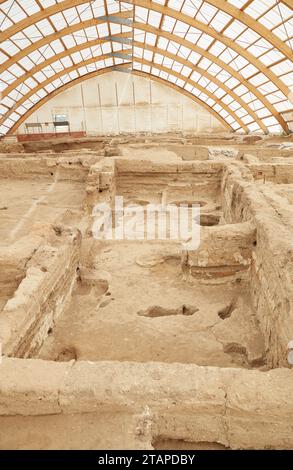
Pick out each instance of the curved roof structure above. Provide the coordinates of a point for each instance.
(232, 56)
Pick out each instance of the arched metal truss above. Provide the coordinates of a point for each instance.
(233, 57)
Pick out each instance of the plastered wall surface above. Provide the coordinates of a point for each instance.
(119, 102)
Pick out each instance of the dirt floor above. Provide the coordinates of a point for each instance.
(27, 202)
(142, 309)
(83, 306)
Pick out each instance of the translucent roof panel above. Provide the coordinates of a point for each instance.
(239, 66)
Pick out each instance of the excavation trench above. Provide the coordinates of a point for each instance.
(72, 301)
(146, 300)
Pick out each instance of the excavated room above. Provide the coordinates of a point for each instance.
(104, 314)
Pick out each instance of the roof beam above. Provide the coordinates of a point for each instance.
(185, 93)
(211, 32)
(146, 28)
(288, 3)
(160, 9)
(122, 54)
(40, 15)
(220, 63)
(106, 70)
(205, 74)
(223, 5)
(165, 10)
(122, 37)
(253, 24)
(65, 53)
(196, 85)
(63, 32)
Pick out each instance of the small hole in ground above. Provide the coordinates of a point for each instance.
(235, 348)
(157, 311)
(66, 354)
(227, 311)
(209, 220)
(237, 352)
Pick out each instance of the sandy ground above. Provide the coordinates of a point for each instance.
(25, 202)
(81, 431)
(86, 432)
(149, 312)
(152, 153)
(134, 302)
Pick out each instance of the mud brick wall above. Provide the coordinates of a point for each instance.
(11, 274)
(190, 152)
(277, 173)
(234, 407)
(224, 251)
(263, 153)
(272, 261)
(40, 297)
(101, 183)
(203, 177)
(36, 167)
(13, 264)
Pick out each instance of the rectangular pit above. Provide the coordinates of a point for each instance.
(207, 318)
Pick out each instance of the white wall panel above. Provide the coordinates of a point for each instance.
(143, 105)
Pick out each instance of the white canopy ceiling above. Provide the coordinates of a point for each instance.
(234, 56)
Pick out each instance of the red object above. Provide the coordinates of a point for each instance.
(49, 135)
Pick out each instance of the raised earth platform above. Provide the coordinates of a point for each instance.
(138, 343)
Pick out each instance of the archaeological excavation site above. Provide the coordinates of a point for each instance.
(146, 217)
